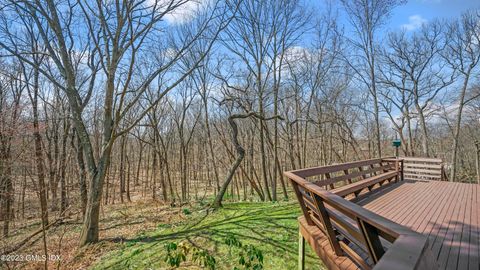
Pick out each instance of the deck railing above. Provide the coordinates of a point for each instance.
(416, 168)
(341, 175)
(368, 239)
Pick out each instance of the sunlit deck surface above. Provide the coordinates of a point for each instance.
(448, 213)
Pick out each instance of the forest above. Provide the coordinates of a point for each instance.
(122, 121)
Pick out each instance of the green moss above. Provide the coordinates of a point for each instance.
(270, 227)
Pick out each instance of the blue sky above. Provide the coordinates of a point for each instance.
(410, 15)
(415, 12)
(426, 10)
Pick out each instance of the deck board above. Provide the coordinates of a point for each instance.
(418, 201)
(421, 218)
(426, 224)
(453, 234)
(474, 250)
(461, 251)
(448, 213)
(387, 203)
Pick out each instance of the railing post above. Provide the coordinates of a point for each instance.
(327, 176)
(302, 203)
(349, 180)
(301, 251)
(397, 169)
(332, 237)
(361, 170)
(373, 173)
(372, 240)
(442, 173)
(381, 164)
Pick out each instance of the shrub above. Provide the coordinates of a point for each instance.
(176, 254)
(250, 257)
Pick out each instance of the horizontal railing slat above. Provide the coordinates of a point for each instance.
(421, 176)
(426, 160)
(423, 171)
(421, 166)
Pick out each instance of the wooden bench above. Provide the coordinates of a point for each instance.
(354, 177)
(347, 236)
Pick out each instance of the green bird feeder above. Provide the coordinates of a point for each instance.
(397, 143)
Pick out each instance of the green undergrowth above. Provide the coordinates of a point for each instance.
(270, 229)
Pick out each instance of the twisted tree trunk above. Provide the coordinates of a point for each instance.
(240, 153)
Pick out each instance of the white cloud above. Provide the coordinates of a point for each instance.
(186, 12)
(296, 53)
(414, 22)
(294, 58)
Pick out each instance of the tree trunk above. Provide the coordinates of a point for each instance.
(210, 144)
(38, 152)
(371, 62)
(122, 168)
(129, 199)
(154, 175)
(137, 178)
(458, 123)
(423, 124)
(263, 156)
(6, 202)
(477, 159)
(240, 155)
(90, 227)
(410, 134)
(63, 166)
(82, 180)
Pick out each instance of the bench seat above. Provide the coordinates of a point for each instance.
(365, 183)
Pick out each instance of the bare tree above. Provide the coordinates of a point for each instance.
(11, 90)
(260, 37)
(416, 70)
(367, 17)
(117, 41)
(240, 153)
(463, 54)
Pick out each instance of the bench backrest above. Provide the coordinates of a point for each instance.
(367, 238)
(336, 175)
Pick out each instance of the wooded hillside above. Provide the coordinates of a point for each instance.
(176, 102)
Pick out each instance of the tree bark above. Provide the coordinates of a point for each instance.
(240, 155)
(82, 180)
(458, 122)
(38, 152)
(90, 227)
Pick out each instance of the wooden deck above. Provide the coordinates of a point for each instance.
(448, 213)
(388, 214)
